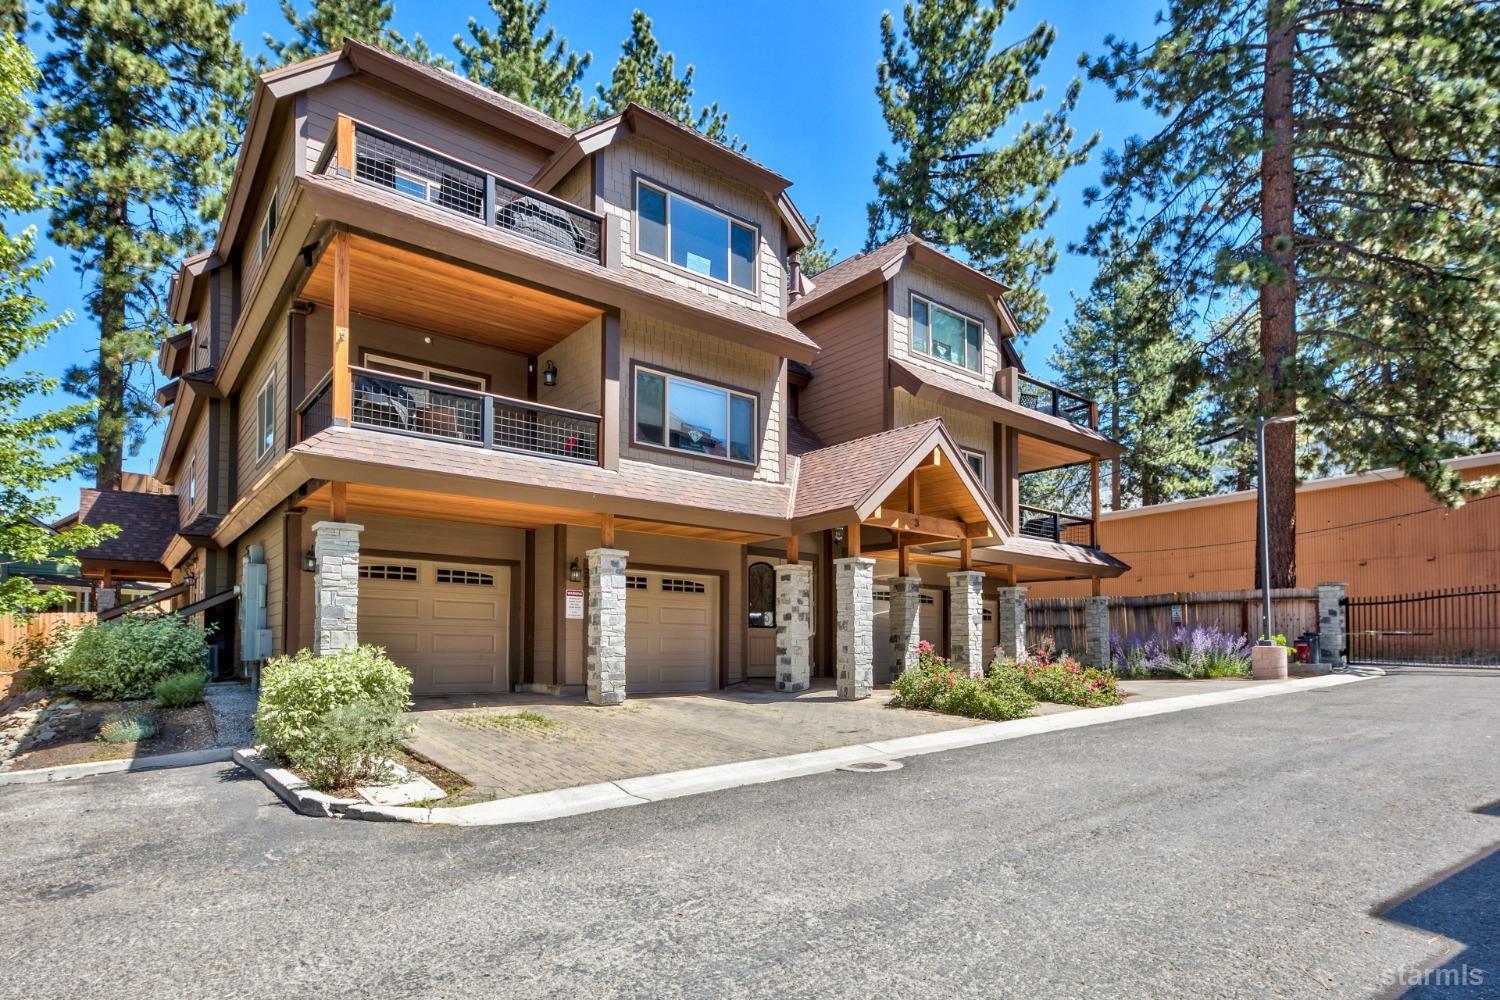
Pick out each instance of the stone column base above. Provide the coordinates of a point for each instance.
(793, 628)
(966, 622)
(605, 633)
(335, 586)
(1010, 623)
(854, 593)
(905, 618)
(1096, 628)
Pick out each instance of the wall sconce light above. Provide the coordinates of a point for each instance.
(549, 375)
(574, 573)
(310, 561)
(838, 536)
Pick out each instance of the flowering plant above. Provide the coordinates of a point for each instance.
(1187, 651)
(1049, 676)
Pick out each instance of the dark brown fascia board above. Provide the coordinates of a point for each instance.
(170, 359)
(263, 496)
(123, 569)
(167, 394)
(1003, 411)
(185, 284)
(583, 144)
(339, 201)
(955, 269)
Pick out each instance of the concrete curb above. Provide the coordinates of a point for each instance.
(65, 772)
(675, 784)
(293, 790)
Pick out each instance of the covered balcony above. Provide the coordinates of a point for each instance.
(399, 342)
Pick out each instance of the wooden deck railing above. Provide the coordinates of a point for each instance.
(383, 160)
(1055, 526)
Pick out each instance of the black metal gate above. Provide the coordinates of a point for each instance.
(1455, 627)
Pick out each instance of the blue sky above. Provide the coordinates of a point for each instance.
(797, 79)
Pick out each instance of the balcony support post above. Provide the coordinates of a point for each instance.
(1094, 492)
(609, 390)
(341, 390)
(487, 418)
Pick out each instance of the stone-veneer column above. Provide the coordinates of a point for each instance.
(854, 593)
(793, 627)
(1096, 629)
(905, 616)
(335, 586)
(1010, 624)
(1332, 624)
(966, 622)
(605, 649)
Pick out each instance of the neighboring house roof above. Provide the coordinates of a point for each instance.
(871, 269)
(147, 521)
(800, 439)
(926, 383)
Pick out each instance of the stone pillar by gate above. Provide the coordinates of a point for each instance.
(793, 627)
(335, 586)
(905, 617)
(605, 649)
(1096, 629)
(966, 622)
(108, 599)
(1010, 624)
(854, 593)
(1332, 624)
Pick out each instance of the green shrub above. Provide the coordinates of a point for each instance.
(1060, 680)
(41, 654)
(123, 659)
(350, 743)
(127, 727)
(181, 689)
(934, 685)
(298, 692)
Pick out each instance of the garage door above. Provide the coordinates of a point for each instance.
(449, 624)
(929, 627)
(671, 633)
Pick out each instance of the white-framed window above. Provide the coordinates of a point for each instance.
(683, 414)
(946, 335)
(425, 372)
(976, 461)
(265, 417)
(689, 235)
(268, 224)
(192, 480)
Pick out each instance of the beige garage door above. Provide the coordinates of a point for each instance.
(929, 626)
(449, 624)
(671, 633)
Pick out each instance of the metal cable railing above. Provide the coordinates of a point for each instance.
(1037, 395)
(1055, 526)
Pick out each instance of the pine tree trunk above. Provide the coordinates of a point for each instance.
(1114, 433)
(1278, 297)
(112, 419)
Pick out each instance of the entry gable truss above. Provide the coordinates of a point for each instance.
(913, 481)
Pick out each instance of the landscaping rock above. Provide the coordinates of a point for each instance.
(408, 787)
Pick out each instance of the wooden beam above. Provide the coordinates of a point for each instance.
(345, 150)
(1094, 491)
(1096, 587)
(903, 562)
(922, 524)
(338, 501)
(914, 494)
(342, 395)
(1010, 575)
(965, 554)
(793, 548)
(607, 531)
(851, 540)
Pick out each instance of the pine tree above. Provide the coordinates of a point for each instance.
(647, 76)
(27, 443)
(948, 89)
(515, 60)
(138, 104)
(329, 22)
(1341, 161)
(1126, 347)
(817, 255)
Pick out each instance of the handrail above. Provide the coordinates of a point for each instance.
(315, 391)
(1055, 524)
(1052, 388)
(1064, 403)
(155, 597)
(459, 390)
(1058, 513)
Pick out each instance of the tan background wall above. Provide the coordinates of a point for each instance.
(578, 360)
(269, 358)
(845, 398)
(278, 183)
(268, 532)
(970, 430)
(1382, 538)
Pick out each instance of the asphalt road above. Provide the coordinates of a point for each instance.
(1245, 850)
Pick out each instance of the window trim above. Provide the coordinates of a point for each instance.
(192, 480)
(270, 221)
(984, 463)
(668, 375)
(669, 192)
(265, 437)
(927, 355)
(422, 370)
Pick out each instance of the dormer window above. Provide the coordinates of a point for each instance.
(946, 335)
(268, 224)
(693, 237)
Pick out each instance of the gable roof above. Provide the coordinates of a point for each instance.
(147, 522)
(873, 268)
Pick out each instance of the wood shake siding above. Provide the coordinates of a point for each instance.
(930, 285)
(678, 349)
(269, 358)
(634, 157)
(578, 360)
(416, 121)
(578, 187)
(971, 431)
(845, 398)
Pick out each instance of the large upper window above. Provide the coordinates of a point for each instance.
(949, 336)
(684, 415)
(694, 237)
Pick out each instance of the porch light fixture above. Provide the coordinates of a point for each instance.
(310, 561)
(574, 573)
(549, 376)
(838, 536)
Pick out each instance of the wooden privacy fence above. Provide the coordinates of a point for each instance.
(1293, 612)
(13, 629)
